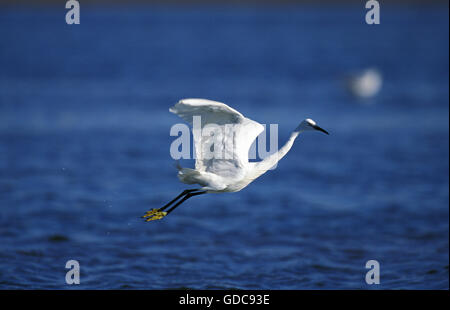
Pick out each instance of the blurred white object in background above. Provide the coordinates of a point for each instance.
(365, 84)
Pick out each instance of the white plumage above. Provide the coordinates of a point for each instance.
(222, 142)
(232, 140)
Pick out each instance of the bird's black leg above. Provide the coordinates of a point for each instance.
(189, 195)
(155, 214)
(185, 192)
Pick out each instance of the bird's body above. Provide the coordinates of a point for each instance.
(222, 143)
(219, 172)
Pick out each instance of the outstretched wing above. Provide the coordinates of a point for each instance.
(222, 135)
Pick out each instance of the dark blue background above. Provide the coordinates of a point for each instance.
(84, 147)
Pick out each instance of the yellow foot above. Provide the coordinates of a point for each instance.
(154, 214)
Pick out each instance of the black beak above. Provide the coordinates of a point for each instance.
(320, 129)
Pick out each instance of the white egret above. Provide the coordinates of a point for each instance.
(365, 84)
(229, 173)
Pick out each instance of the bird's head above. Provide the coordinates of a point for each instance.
(309, 124)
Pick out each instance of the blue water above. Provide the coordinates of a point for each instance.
(84, 148)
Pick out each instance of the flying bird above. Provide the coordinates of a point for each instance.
(365, 84)
(228, 169)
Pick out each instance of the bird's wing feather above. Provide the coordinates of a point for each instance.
(226, 136)
(246, 134)
(211, 112)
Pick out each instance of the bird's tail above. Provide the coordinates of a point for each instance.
(178, 166)
(187, 175)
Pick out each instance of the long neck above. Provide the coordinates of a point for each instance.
(270, 161)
